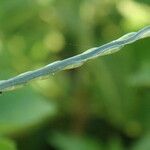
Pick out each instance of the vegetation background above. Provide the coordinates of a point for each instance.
(103, 105)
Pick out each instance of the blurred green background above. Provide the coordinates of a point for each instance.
(103, 105)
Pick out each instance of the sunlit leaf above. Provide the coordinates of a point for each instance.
(7, 144)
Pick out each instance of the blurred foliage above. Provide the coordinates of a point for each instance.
(25, 109)
(7, 144)
(75, 142)
(104, 105)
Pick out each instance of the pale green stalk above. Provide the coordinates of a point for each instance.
(75, 61)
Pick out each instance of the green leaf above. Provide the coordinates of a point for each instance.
(142, 77)
(7, 144)
(72, 142)
(143, 144)
(22, 109)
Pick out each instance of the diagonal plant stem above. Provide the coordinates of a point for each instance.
(75, 61)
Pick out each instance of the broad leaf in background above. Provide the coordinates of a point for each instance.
(142, 77)
(72, 142)
(23, 109)
(7, 144)
(143, 143)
